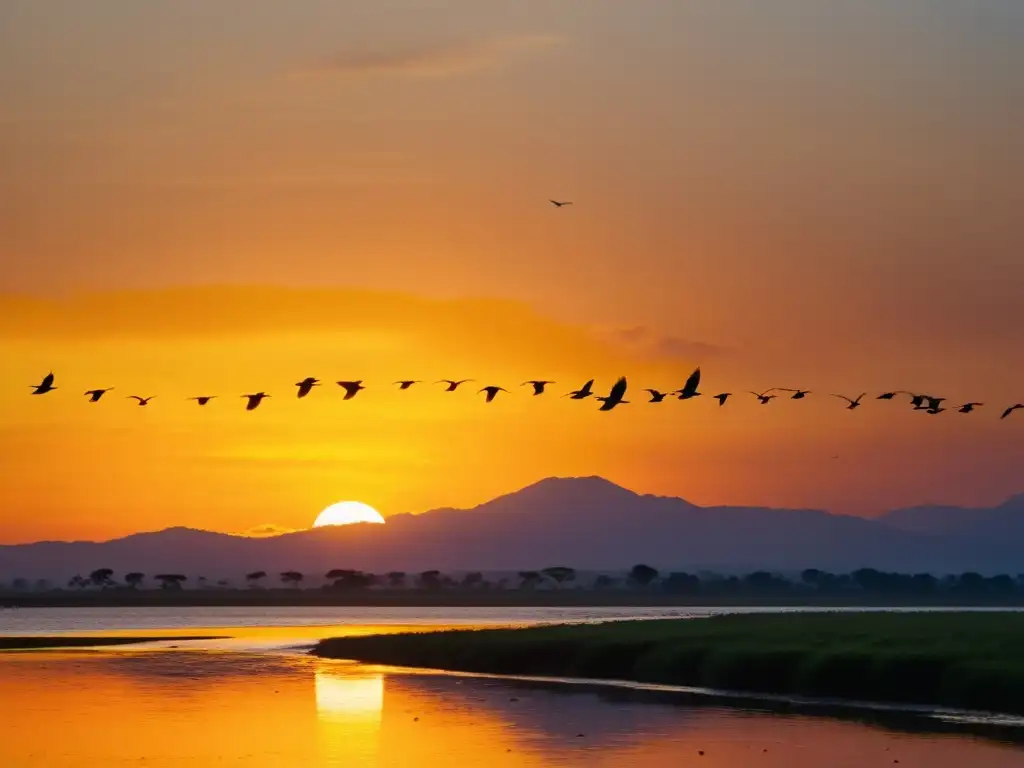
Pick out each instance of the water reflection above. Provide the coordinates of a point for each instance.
(174, 708)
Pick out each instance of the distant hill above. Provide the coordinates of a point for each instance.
(587, 523)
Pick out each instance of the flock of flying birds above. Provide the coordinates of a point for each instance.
(616, 397)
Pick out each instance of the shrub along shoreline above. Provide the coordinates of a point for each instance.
(963, 660)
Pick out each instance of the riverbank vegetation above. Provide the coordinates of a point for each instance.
(557, 585)
(968, 660)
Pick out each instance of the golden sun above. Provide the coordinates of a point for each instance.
(346, 513)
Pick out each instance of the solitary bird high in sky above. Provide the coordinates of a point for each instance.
(854, 403)
(254, 400)
(583, 392)
(306, 385)
(351, 388)
(45, 386)
(689, 389)
(140, 400)
(538, 386)
(406, 383)
(492, 392)
(560, 203)
(203, 399)
(452, 384)
(615, 397)
(94, 395)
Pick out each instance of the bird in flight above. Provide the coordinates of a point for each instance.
(798, 394)
(204, 399)
(560, 203)
(933, 403)
(764, 397)
(407, 383)
(141, 400)
(45, 386)
(583, 392)
(891, 395)
(538, 386)
(492, 392)
(969, 407)
(306, 385)
(721, 398)
(656, 396)
(689, 389)
(254, 400)
(452, 385)
(614, 397)
(94, 395)
(934, 409)
(854, 403)
(918, 401)
(1011, 409)
(351, 388)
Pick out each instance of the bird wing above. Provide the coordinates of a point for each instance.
(48, 380)
(619, 389)
(843, 397)
(692, 382)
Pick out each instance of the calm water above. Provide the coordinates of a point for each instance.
(256, 701)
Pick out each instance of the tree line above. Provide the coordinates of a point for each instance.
(640, 576)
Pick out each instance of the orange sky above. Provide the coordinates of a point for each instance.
(809, 194)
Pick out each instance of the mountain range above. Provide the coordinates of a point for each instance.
(588, 523)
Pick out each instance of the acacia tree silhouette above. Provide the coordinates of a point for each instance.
(253, 579)
(134, 579)
(291, 577)
(560, 574)
(102, 577)
(642, 575)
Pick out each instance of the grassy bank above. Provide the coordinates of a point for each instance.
(26, 643)
(968, 660)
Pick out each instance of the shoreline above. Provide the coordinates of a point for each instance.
(957, 661)
(55, 642)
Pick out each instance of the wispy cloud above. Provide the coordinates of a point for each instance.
(435, 60)
(266, 530)
(673, 347)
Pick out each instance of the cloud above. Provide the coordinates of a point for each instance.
(670, 347)
(437, 60)
(266, 530)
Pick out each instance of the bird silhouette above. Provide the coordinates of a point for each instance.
(722, 397)
(933, 403)
(452, 385)
(560, 203)
(254, 400)
(45, 386)
(407, 383)
(615, 396)
(538, 386)
(854, 403)
(934, 409)
(492, 392)
(764, 397)
(94, 395)
(141, 400)
(204, 399)
(351, 388)
(969, 407)
(306, 386)
(583, 392)
(798, 394)
(1011, 409)
(891, 395)
(689, 389)
(656, 396)
(918, 401)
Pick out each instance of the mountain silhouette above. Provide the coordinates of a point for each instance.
(588, 523)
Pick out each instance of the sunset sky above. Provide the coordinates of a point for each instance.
(220, 197)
